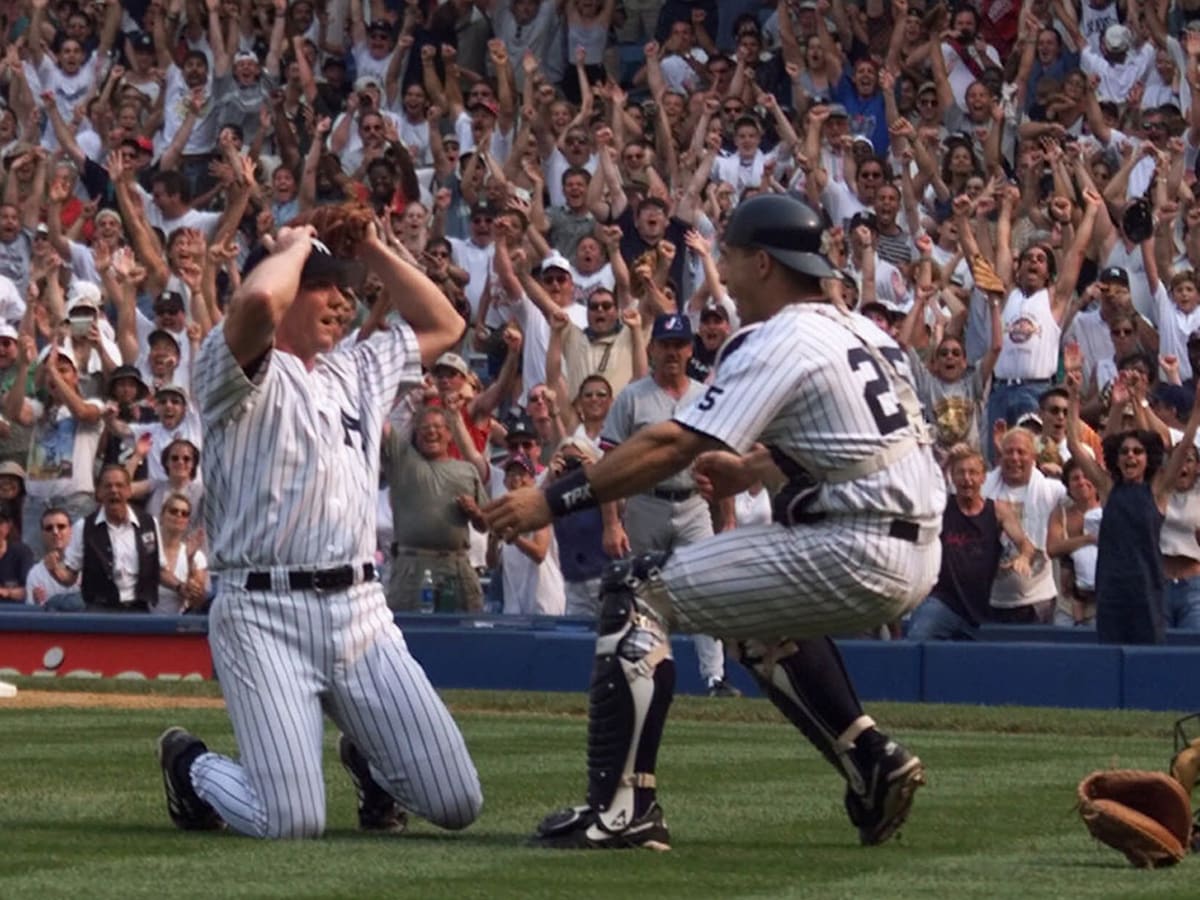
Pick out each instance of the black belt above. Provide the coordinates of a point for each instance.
(336, 579)
(674, 496)
(904, 530)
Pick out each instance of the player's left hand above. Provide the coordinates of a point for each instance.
(517, 512)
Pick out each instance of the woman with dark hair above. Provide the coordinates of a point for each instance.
(1180, 547)
(181, 460)
(1135, 490)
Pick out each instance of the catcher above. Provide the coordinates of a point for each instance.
(300, 627)
(1146, 815)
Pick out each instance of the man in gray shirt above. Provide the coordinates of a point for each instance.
(430, 497)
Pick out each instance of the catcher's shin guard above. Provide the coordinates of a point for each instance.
(633, 681)
(807, 681)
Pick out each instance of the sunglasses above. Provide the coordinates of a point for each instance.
(595, 395)
(55, 527)
(597, 307)
(1132, 451)
(178, 511)
(557, 278)
(180, 457)
(873, 176)
(1121, 332)
(577, 140)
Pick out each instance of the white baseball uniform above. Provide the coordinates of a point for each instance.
(292, 467)
(831, 395)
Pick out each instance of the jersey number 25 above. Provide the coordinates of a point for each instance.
(877, 390)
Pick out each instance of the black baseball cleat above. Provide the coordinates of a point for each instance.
(177, 750)
(377, 809)
(887, 797)
(719, 687)
(578, 828)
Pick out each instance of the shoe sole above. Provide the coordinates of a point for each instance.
(897, 803)
(566, 843)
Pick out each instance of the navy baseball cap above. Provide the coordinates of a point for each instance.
(143, 41)
(519, 424)
(1115, 273)
(321, 267)
(671, 328)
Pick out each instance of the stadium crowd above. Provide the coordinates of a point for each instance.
(1009, 191)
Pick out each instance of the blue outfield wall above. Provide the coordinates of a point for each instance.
(1019, 665)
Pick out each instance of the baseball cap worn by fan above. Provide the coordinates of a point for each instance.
(1114, 274)
(144, 42)
(161, 334)
(168, 302)
(714, 309)
(366, 81)
(1117, 38)
(83, 295)
(784, 227)
(452, 361)
(521, 461)
(8, 331)
(519, 425)
(555, 261)
(177, 389)
(671, 327)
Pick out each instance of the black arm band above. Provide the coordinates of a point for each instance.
(569, 494)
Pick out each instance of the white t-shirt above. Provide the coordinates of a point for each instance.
(530, 588)
(961, 77)
(169, 602)
(1116, 81)
(39, 578)
(124, 547)
(1034, 503)
(477, 261)
(203, 138)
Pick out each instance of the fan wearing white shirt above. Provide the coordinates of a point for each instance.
(71, 76)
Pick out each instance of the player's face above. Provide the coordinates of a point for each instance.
(312, 323)
(56, 531)
(670, 358)
(1016, 459)
(742, 271)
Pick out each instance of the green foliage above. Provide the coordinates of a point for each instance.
(754, 812)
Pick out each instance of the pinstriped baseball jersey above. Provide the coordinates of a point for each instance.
(806, 385)
(291, 457)
(643, 403)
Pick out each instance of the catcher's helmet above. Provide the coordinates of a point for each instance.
(784, 227)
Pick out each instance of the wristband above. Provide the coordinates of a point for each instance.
(570, 494)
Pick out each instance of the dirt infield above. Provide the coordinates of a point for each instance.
(83, 700)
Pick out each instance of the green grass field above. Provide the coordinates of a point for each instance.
(754, 812)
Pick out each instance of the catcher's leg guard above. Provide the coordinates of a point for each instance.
(808, 681)
(633, 682)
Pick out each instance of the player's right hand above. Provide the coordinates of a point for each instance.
(719, 474)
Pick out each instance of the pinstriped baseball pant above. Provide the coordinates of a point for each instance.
(284, 661)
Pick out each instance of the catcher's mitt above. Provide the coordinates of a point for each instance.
(1145, 815)
(341, 228)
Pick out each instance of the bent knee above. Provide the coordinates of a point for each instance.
(461, 810)
(303, 826)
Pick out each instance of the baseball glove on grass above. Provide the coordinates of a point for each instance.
(1145, 815)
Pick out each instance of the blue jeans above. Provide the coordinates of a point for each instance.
(933, 620)
(1009, 402)
(1183, 603)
